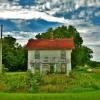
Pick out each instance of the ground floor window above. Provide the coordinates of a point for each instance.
(54, 68)
(50, 68)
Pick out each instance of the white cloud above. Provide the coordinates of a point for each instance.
(3, 1)
(53, 4)
(21, 37)
(29, 14)
(11, 11)
(7, 33)
(97, 13)
(82, 14)
(90, 34)
(88, 29)
(53, 11)
(96, 52)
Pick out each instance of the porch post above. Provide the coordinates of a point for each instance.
(55, 68)
(33, 69)
(41, 68)
(68, 67)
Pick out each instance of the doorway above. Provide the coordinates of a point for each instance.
(51, 68)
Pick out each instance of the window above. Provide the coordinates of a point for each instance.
(45, 59)
(63, 54)
(37, 54)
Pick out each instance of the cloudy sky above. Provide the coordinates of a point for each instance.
(23, 19)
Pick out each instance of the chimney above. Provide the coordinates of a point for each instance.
(52, 37)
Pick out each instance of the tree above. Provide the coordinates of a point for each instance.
(81, 54)
(62, 32)
(14, 56)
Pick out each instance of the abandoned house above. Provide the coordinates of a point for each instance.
(50, 55)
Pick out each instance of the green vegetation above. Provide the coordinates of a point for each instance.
(18, 82)
(94, 64)
(14, 55)
(65, 96)
(80, 80)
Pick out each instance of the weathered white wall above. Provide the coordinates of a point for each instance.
(31, 57)
(49, 53)
(68, 56)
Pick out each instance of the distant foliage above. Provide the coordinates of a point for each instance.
(14, 55)
(81, 56)
(62, 32)
(94, 64)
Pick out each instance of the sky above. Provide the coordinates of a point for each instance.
(23, 19)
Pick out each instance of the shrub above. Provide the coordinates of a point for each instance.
(33, 81)
(82, 68)
(19, 82)
(14, 82)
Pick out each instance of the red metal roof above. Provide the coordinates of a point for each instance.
(52, 44)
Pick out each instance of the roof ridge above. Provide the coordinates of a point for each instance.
(52, 39)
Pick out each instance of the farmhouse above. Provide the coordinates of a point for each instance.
(50, 55)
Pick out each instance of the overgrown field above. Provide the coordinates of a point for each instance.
(59, 96)
(25, 82)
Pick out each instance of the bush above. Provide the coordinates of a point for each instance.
(19, 82)
(82, 68)
(33, 81)
(14, 82)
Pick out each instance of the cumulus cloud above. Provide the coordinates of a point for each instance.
(90, 34)
(96, 52)
(91, 38)
(21, 37)
(97, 13)
(29, 14)
(13, 10)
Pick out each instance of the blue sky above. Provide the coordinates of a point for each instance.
(24, 19)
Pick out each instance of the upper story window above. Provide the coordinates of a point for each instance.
(37, 54)
(46, 59)
(63, 54)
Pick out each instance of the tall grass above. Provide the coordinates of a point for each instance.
(78, 81)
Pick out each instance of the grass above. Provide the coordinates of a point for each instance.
(95, 76)
(81, 85)
(15, 73)
(55, 96)
(77, 82)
